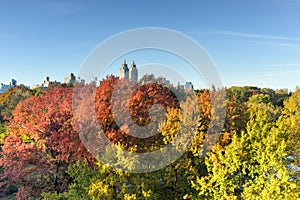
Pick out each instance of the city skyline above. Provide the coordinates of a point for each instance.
(130, 73)
(253, 43)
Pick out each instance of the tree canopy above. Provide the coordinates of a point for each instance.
(43, 155)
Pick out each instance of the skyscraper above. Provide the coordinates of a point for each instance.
(128, 74)
(133, 72)
(124, 71)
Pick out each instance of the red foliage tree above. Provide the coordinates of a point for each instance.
(131, 104)
(42, 143)
(121, 109)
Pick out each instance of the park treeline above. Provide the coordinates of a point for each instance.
(255, 157)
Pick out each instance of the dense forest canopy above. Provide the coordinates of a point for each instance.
(256, 156)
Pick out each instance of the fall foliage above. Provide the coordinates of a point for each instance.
(42, 143)
(44, 155)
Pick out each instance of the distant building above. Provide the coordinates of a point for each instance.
(179, 86)
(189, 86)
(124, 71)
(94, 82)
(79, 80)
(70, 79)
(128, 74)
(186, 86)
(166, 82)
(47, 82)
(133, 73)
(13, 83)
(4, 88)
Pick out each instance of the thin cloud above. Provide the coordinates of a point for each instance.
(279, 74)
(251, 35)
(284, 65)
(282, 44)
(64, 8)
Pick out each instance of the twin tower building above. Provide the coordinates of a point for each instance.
(128, 74)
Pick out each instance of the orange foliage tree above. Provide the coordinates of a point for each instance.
(42, 143)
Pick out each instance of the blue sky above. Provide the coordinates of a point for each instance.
(251, 42)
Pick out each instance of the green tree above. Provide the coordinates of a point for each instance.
(253, 166)
(10, 99)
(290, 123)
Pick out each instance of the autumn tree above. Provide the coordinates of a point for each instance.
(253, 166)
(117, 184)
(255, 157)
(41, 144)
(173, 181)
(290, 123)
(131, 104)
(10, 99)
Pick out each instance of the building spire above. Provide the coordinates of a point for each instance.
(133, 64)
(133, 73)
(123, 71)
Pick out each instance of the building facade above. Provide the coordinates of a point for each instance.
(4, 88)
(128, 74)
(133, 73)
(47, 82)
(189, 86)
(70, 79)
